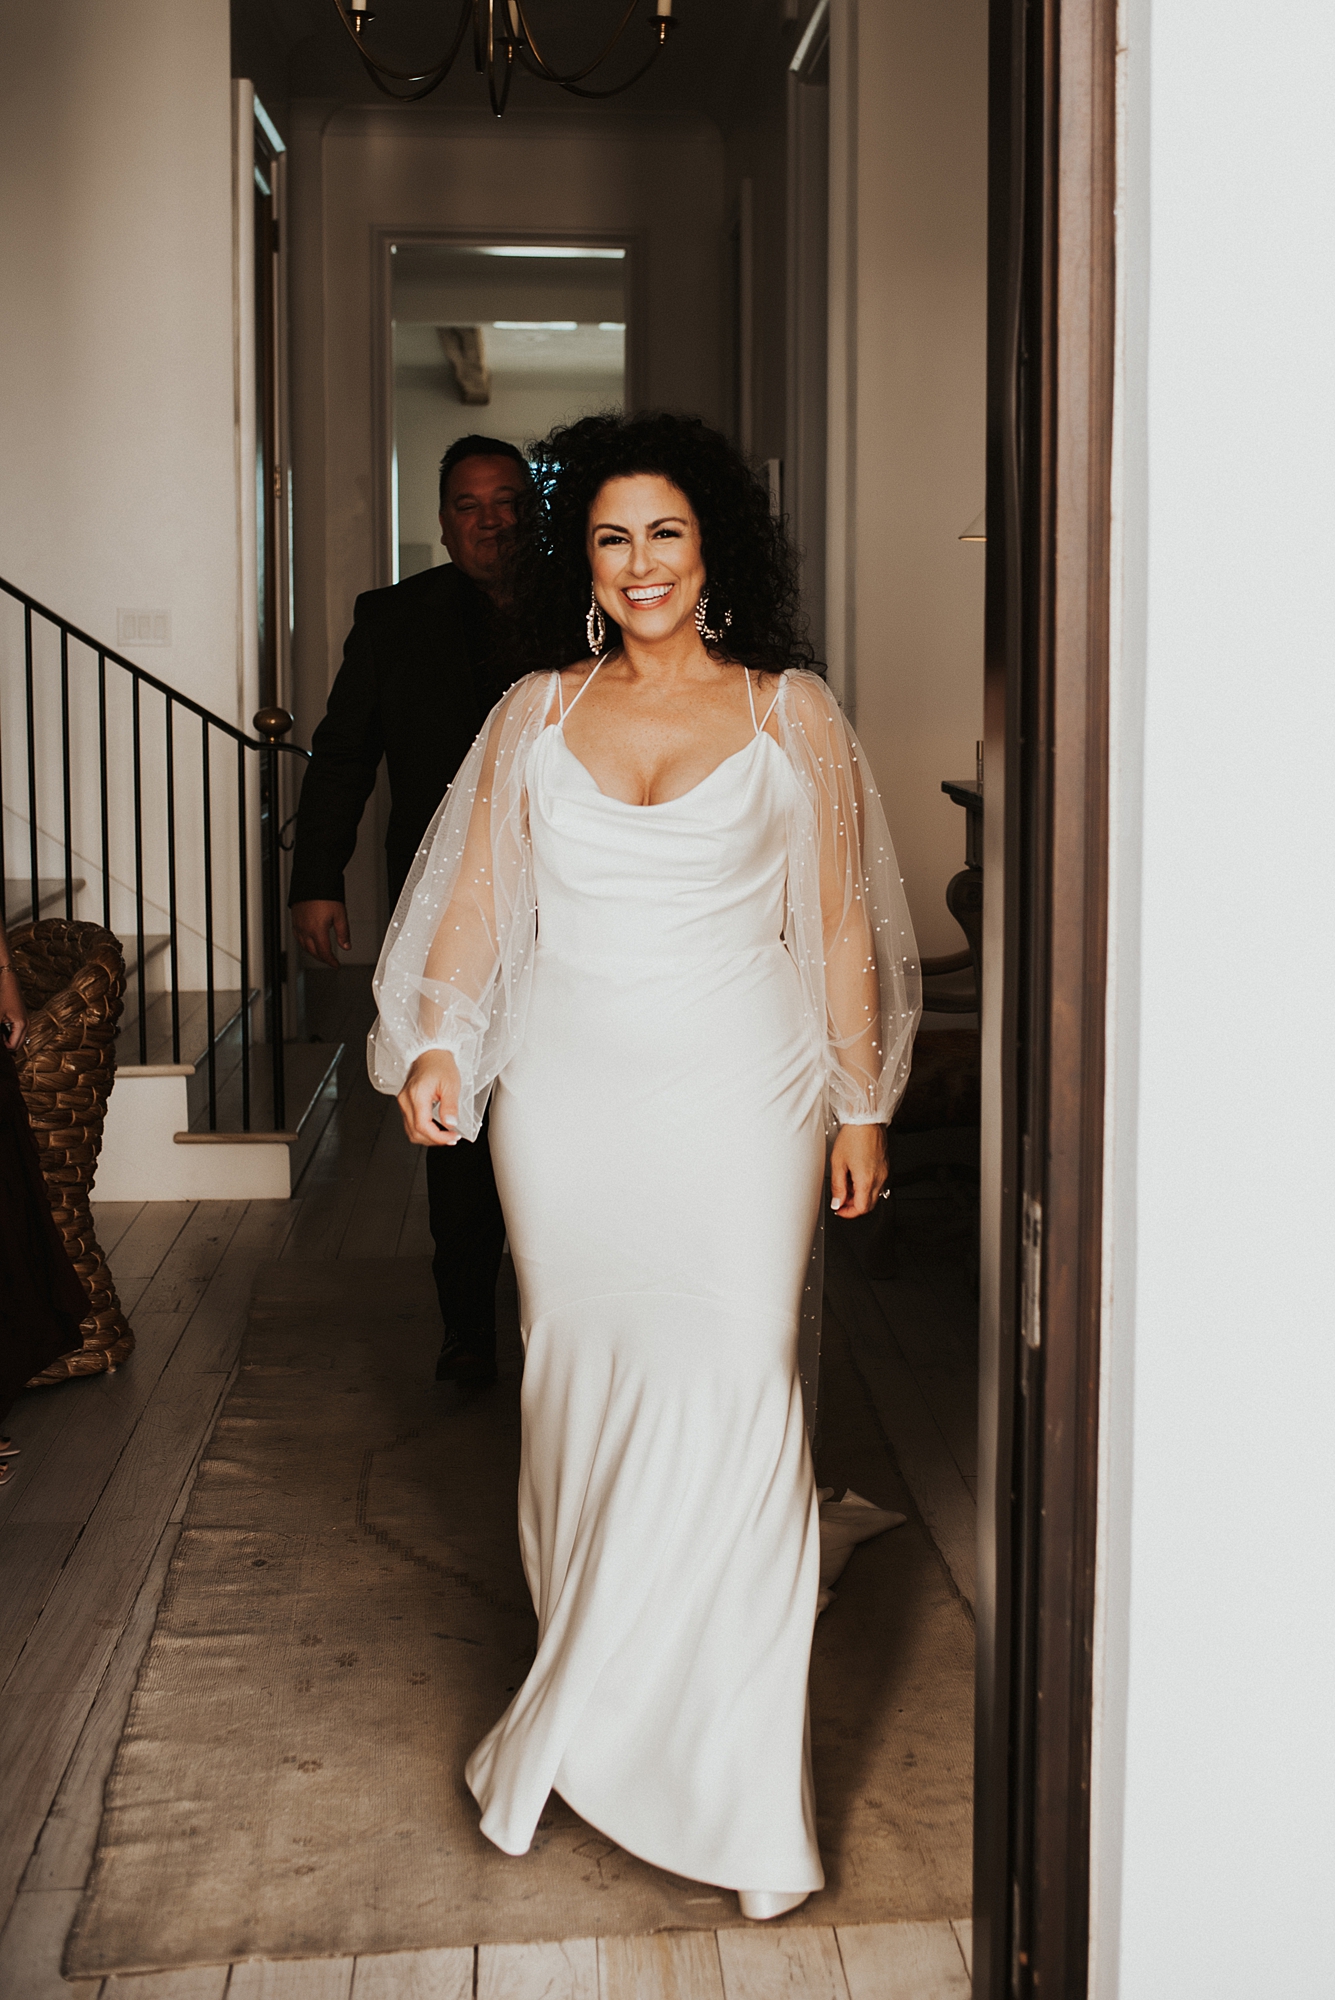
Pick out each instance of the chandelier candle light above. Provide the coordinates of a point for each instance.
(502, 42)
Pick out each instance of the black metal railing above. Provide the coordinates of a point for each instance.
(155, 850)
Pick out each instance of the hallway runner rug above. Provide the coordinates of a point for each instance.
(346, 1615)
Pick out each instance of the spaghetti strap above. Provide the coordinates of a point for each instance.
(751, 697)
(586, 682)
(770, 710)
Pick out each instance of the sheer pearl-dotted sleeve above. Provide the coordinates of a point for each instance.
(457, 961)
(848, 919)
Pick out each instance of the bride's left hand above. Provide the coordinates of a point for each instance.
(858, 1169)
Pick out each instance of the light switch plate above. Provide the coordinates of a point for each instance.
(143, 628)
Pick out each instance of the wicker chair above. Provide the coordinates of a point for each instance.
(73, 979)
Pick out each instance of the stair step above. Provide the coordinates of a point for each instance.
(155, 1147)
(307, 1068)
(50, 897)
(194, 1027)
(155, 946)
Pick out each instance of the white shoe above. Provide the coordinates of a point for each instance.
(762, 1904)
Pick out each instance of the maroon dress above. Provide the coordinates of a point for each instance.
(41, 1299)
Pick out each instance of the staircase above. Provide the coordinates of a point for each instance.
(125, 803)
(161, 1105)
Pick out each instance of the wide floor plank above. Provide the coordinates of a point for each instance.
(32, 1561)
(674, 1965)
(146, 1242)
(106, 1409)
(62, 1481)
(182, 1277)
(903, 1962)
(800, 1962)
(219, 1321)
(376, 1218)
(332, 1182)
(414, 1975)
(65, 1475)
(304, 1979)
(30, 1947)
(64, 1852)
(111, 1219)
(76, 1428)
(564, 1971)
(198, 1982)
(53, 1685)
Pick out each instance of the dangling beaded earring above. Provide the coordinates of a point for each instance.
(595, 625)
(701, 616)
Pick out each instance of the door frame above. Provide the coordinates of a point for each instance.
(1051, 351)
(383, 237)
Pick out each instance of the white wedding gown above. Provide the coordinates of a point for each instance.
(659, 1150)
(662, 1087)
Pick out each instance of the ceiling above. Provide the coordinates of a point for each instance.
(701, 73)
(442, 284)
(515, 352)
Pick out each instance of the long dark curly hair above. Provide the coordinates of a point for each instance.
(751, 569)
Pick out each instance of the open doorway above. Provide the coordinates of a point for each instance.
(829, 405)
(504, 338)
(858, 334)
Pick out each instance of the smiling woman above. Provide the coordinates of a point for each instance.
(659, 924)
(748, 566)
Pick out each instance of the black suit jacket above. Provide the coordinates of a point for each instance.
(418, 679)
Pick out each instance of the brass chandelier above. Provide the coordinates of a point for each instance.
(502, 42)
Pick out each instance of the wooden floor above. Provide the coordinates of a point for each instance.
(90, 1519)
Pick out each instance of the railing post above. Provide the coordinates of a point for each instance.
(67, 799)
(273, 724)
(35, 912)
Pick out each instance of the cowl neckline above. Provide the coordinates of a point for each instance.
(659, 805)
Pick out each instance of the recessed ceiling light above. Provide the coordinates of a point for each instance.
(535, 325)
(611, 326)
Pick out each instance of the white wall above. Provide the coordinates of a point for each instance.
(116, 395)
(1215, 1762)
(117, 424)
(908, 270)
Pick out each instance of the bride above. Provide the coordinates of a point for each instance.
(658, 921)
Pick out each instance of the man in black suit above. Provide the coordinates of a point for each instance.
(420, 673)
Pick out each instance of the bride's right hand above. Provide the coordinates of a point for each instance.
(429, 1100)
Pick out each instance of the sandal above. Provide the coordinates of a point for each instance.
(5, 1471)
(8, 1448)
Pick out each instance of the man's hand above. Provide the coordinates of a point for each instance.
(311, 925)
(858, 1169)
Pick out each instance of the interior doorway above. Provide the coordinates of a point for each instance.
(508, 339)
(1043, 842)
